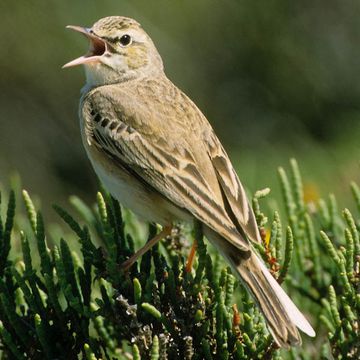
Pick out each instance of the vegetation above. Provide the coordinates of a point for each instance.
(58, 303)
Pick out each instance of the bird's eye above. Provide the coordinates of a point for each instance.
(125, 40)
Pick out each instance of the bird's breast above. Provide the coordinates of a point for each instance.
(132, 192)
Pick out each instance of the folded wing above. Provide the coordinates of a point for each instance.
(171, 171)
(233, 190)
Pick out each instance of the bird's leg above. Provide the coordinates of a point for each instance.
(166, 231)
(198, 234)
(191, 257)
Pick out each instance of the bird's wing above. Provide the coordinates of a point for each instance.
(233, 189)
(170, 168)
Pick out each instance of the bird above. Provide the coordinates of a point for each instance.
(157, 154)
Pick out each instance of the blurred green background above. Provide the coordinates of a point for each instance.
(277, 79)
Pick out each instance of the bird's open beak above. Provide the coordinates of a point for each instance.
(96, 50)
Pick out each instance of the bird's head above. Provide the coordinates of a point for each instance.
(119, 50)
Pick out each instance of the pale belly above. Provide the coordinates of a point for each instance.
(134, 194)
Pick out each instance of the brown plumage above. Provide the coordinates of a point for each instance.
(157, 154)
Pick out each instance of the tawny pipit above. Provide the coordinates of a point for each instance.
(157, 154)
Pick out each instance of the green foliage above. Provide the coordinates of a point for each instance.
(84, 305)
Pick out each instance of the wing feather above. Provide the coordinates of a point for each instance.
(166, 171)
(233, 190)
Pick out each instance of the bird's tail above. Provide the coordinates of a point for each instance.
(282, 315)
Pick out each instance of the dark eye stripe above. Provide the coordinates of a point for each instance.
(116, 40)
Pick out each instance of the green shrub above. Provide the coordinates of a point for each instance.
(60, 303)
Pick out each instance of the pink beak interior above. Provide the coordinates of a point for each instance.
(96, 50)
